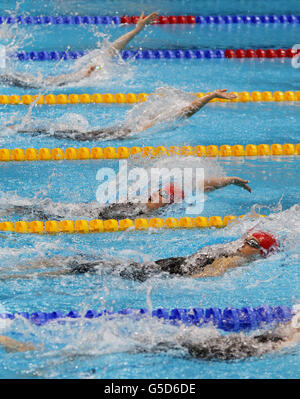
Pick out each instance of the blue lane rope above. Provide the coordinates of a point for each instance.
(108, 20)
(229, 319)
(59, 20)
(127, 54)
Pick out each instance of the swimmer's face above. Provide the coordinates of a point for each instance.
(155, 201)
(251, 247)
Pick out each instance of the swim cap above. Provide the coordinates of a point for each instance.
(172, 192)
(267, 242)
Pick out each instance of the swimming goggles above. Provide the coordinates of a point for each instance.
(253, 243)
(164, 194)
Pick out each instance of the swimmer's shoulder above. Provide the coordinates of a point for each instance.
(220, 265)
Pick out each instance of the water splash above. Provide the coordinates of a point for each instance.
(45, 208)
(160, 107)
(74, 75)
(12, 37)
(42, 207)
(156, 114)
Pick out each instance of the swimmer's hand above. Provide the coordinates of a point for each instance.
(237, 181)
(145, 20)
(219, 182)
(223, 94)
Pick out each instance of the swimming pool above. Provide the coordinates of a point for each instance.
(106, 348)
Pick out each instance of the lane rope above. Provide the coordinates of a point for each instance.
(162, 19)
(132, 98)
(113, 225)
(228, 319)
(85, 153)
(162, 54)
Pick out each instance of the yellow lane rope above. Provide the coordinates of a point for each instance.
(85, 153)
(99, 226)
(131, 98)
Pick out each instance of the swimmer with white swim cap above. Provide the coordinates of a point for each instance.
(29, 81)
(120, 131)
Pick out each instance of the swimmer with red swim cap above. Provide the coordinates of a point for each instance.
(260, 242)
(173, 193)
(167, 195)
(210, 261)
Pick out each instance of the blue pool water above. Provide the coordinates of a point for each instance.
(108, 348)
(168, 7)
(44, 37)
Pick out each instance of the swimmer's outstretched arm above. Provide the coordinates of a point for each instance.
(11, 345)
(220, 182)
(122, 41)
(199, 103)
(194, 107)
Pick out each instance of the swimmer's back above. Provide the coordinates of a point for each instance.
(77, 267)
(106, 133)
(123, 210)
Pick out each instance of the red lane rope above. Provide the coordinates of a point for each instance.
(217, 19)
(260, 53)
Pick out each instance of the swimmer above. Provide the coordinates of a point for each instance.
(235, 345)
(157, 201)
(29, 81)
(210, 261)
(222, 347)
(120, 131)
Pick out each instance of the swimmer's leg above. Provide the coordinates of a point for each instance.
(18, 81)
(30, 211)
(35, 275)
(71, 134)
(106, 133)
(68, 264)
(103, 134)
(44, 262)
